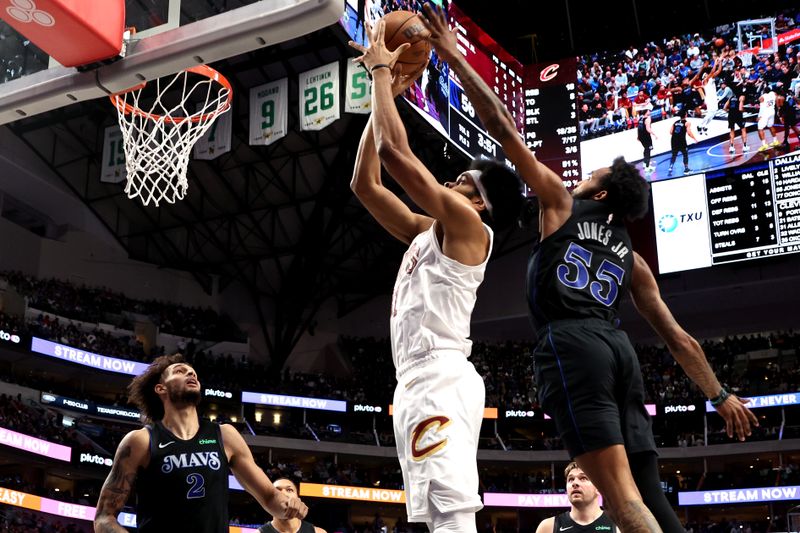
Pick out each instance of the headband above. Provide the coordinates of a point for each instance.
(476, 177)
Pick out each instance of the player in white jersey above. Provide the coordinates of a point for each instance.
(439, 399)
(766, 118)
(710, 96)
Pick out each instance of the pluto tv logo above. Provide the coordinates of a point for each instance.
(669, 222)
(669, 409)
(9, 337)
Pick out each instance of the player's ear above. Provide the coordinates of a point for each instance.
(600, 195)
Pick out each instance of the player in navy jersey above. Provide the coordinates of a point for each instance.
(179, 464)
(585, 514)
(586, 370)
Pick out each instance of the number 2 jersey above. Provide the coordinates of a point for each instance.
(581, 269)
(185, 484)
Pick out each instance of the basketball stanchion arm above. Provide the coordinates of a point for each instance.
(229, 34)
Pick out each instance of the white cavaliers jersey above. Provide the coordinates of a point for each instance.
(710, 93)
(432, 302)
(767, 107)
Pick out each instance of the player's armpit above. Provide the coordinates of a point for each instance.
(132, 453)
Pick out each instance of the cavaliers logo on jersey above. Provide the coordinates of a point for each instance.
(435, 423)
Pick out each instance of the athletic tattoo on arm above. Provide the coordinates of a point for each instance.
(497, 119)
(114, 494)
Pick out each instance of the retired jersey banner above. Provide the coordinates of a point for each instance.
(362, 494)
(319, 97)
(268, 112)
(217, 139)
(357, 93)
(113, 164)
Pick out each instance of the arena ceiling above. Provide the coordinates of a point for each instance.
(281, 220)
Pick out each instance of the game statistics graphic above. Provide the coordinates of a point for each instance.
(551, 123)
(733, 214)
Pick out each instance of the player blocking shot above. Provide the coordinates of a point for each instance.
(587, 372)
(179, 464)
(439, 398)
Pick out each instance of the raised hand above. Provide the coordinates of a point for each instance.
(401, 82)
(377, 53)
(738, 418)
(441, 37)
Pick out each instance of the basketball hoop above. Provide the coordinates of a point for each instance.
(158, 136)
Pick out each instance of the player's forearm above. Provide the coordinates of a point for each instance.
(367, 172)
(387, 127)
(490, 109)
(689, 354)
(108, 524)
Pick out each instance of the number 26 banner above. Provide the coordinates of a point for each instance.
(319, 97)
(269, 112)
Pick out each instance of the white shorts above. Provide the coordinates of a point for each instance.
(766, 121)
(438, 411)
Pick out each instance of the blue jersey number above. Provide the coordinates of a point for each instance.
(196, 490)
(574, 273)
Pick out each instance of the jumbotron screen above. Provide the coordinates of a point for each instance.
(707, 109)
(438, 95)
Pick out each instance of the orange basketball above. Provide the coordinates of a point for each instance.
(719, 43)
(406, 27)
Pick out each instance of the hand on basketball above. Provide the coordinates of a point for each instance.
(377, 53)
(738, 418)
(441, 37)
(401, 82)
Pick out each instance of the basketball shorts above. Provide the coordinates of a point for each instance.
(438, 410)
(735, 119)
(590, 384)
(766, 121)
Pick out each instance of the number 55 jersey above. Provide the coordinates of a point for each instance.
(582, 269)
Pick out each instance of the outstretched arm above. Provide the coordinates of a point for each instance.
(498, 121)
(132, 453)
(465, 240)
(685, 349)
(255, 481)
(390, 212)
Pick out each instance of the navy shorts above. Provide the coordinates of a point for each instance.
(590, 384)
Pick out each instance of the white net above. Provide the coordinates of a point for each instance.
(159, 130)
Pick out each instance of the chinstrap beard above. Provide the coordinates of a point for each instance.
(184, 396)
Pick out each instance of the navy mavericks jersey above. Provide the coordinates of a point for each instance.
(564, 522)
(582, 269)
(185, 485)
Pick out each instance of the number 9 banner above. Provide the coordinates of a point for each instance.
(319, 97)
(268, 112)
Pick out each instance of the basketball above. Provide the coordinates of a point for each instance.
(406, 27)
(719, 43)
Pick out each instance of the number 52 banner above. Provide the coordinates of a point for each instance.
(268, 112)
(319, 97)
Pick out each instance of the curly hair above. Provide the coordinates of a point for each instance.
(504, 189)
(141, 391)
(628, 194)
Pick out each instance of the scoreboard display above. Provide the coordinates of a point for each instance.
(458, 120)
(734, 214)
(551, 123)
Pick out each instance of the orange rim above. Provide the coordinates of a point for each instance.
(202, 70)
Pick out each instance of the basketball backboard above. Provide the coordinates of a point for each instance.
(170, 35)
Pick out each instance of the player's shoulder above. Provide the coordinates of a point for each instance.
(138, 438)
(546, 525)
